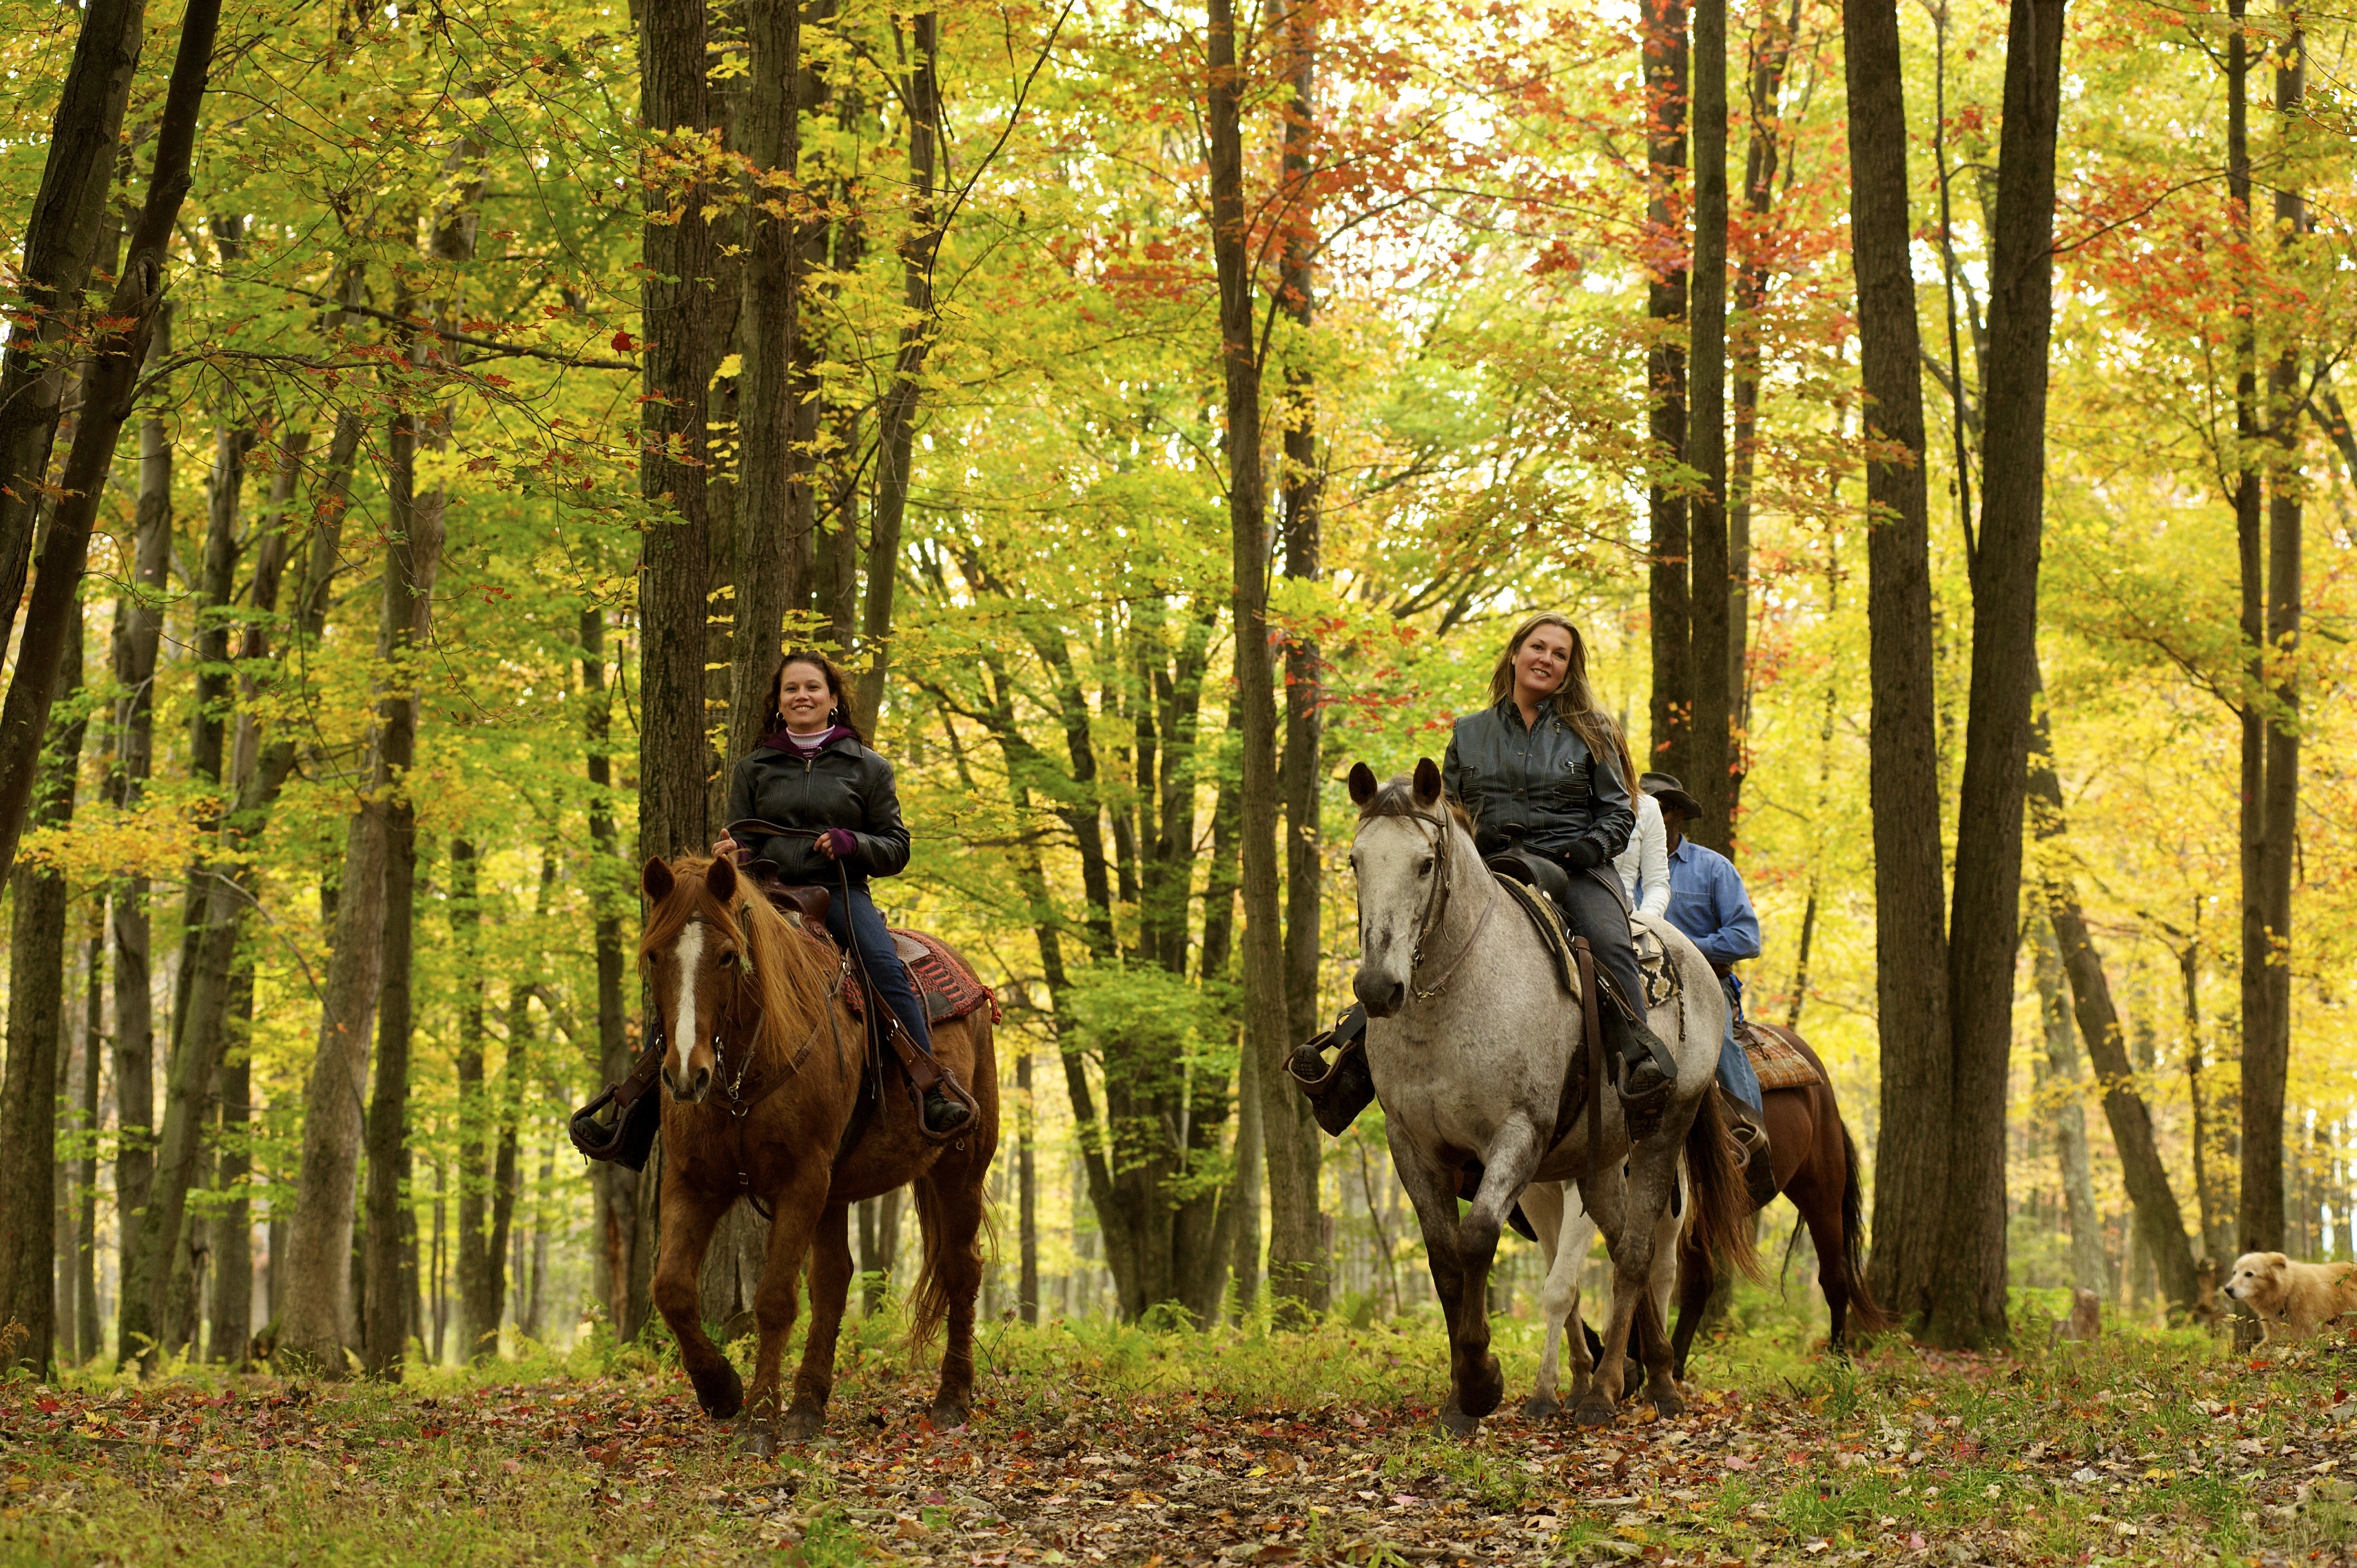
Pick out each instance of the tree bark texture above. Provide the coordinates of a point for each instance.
(1303, 773)
(1910, 940)
(476, 1264)
(85, 1207)
(36, 1023)
(232, 1244)
(2057, 1078)
(1671, 601)
(1710, 659)
(1968, 1302)
(1296, 1252)
(2266, 1040)
(62, 237)
(616, 1186)
(676, 306)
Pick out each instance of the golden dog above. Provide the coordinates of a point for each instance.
(2295, 1298)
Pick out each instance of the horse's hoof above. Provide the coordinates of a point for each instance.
(1480, 1395)
(722, 1400)
(760, 1440)
(948, 1414)
(1456, 1422)
(1666, 1400)
(1542, 1407)
(802, 1422)
(1594, 1411)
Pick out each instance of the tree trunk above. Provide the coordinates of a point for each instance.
(616, 1186)
(2266, 1054)
(86, 1313)
(29, 1101)
(2060, 1081)
(478, 1318)
(1663, 30)
(1772, 47)
(676, 309)
(1968, 1302)
(765, 410)
(62, 238)
(138, 632)
(1027, 1184)
(1296, 1255)
(896, 426)
(231, 1245)
(1303, 773)
(1711, 659)
(2158, 1220)
(1911, 941)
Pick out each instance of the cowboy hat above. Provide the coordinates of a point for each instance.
(1666, 789)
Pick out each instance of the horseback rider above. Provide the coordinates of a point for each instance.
(1541, 771)
(815, 773)
(1644, 866)
(1709, 902)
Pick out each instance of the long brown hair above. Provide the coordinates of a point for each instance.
(838, 686)
(1574, 702)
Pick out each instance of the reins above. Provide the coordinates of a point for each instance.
(1435, 911)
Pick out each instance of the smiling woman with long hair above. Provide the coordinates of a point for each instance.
(1544, 771)
(813, 773)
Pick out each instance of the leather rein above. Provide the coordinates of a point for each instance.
(1435, 911)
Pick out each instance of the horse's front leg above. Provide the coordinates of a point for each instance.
(793, 1212)
(1432, 1189)
(829, 1248)
(689, 1218)
(1478, 1381)
(1543, 1206)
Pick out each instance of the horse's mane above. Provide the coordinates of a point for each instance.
(1396, 798)
(793, 971)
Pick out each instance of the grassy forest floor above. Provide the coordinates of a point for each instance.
(1097, 1443)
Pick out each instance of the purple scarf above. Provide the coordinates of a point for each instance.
(794, 745)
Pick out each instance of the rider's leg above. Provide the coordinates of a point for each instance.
(1734, 1072)
(857, 922)
(1651, 1071)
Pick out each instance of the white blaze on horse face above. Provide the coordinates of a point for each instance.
(1392, 892)
(688, 952)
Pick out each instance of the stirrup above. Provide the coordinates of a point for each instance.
(1643, 1110)
(952, 1092)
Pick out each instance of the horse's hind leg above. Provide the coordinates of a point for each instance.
(1697, 1277)
(829, 1247)
(950, 1210)
(689, 1218)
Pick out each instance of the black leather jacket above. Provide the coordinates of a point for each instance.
(842, 785)
(1538, 787)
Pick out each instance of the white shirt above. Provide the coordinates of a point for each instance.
(1647, 859)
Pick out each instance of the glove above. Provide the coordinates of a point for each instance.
(1584, 855)
(840, 843)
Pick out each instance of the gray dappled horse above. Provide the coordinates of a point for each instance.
(1470, 1038)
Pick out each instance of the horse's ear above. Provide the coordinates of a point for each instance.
(720, 880)
(1428, 782)
(1362, 785)
(655, 880)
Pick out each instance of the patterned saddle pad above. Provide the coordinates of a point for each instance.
(1661, 976)
(1778, 1064)
(943, 977)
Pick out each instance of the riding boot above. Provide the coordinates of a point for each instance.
(1645, 1085)
(943, 1115)
(1751, 1140)
(944, 1105)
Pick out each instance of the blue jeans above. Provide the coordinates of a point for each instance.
(1735, 1074)
(860, 927)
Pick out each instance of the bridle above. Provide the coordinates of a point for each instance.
(1436, 909)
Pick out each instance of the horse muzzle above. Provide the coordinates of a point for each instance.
(688, 1088)
(1381, 995)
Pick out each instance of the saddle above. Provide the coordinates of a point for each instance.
(1662, 982)
(1775, 1061)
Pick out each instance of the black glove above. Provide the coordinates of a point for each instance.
(1584, 855)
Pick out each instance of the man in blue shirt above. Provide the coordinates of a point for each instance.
(1708, 903)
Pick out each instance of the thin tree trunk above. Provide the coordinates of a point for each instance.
(1027, 1178)
(2060, 1078)
(1712, 654)
(1302, 779)
(478, 1319)
(86, 1313)
(615, 1184)
(897, 425)
(2267, 1055)
(62, 241)
(28, 1101)
(1910, 942)
(231, 1247)
(2144, 1171)
(1968, 1305)
(1663, 31)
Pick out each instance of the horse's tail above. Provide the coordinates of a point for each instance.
(1870, 1316)
(1721, 1225)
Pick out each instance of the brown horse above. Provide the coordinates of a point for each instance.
(1816, 1167)
(762, 1061)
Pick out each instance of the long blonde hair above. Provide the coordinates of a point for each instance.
(1574, 702)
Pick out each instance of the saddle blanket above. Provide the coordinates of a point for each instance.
(1778, 1065)
(1661, 976)
(943, 977)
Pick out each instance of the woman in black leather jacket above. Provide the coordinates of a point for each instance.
(814, 772)
(1543, 770)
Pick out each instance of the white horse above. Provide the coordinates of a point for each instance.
(1470, 1040)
